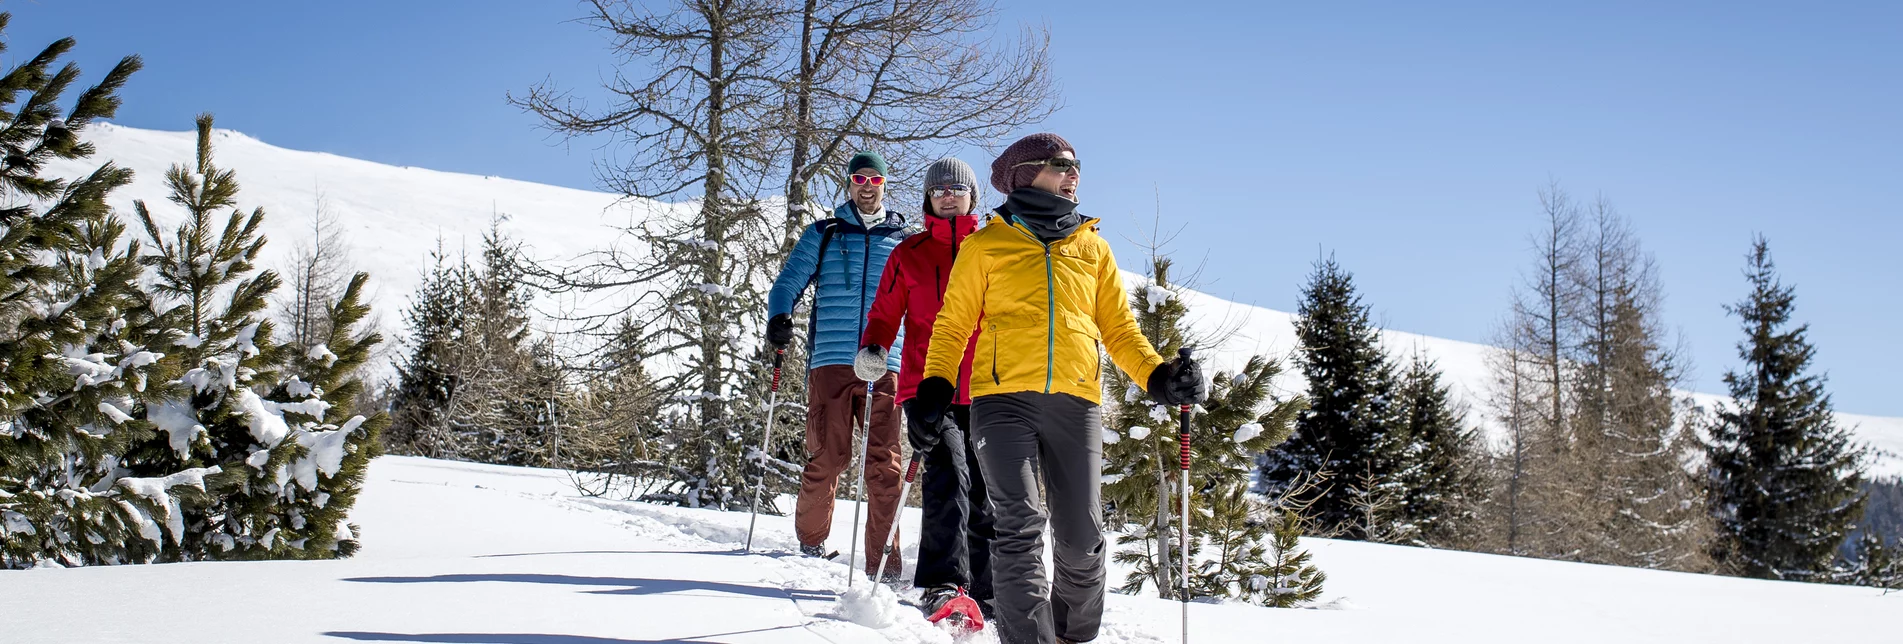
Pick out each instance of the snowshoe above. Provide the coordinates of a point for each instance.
(818, 551)
(950, 605)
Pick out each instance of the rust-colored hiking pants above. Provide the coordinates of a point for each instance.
(835, 399)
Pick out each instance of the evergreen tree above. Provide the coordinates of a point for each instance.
(281, 489)
(221, 350)
(503, 409)
(1140, 443)
(425, 380)
(338, 442)
(1444, 483)
(478, 385)
(1882, 513)
(1238, 422)
(75, 355)
(1350, 431)
(1876, 564)
(1783, 475)
(1290, 579)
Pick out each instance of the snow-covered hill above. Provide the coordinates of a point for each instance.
(480, 554)
(396, 216)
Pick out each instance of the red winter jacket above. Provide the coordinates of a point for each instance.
(913, 289)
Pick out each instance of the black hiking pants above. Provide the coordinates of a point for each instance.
(1021, 437)
(954, 545)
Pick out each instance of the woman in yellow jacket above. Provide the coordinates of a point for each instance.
(1042, 291)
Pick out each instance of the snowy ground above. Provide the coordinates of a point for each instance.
(478, 554)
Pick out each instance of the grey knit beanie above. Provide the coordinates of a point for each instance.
(1007, 176)
(948, 171)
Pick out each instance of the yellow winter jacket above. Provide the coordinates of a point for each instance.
(1042, 313)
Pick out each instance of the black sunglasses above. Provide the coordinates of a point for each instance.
(1059, 164)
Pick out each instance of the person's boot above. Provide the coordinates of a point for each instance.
(813, 551)
(935, 598)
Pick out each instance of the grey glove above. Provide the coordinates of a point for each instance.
(869, 363)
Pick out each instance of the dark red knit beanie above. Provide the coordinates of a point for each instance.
(1007, 176)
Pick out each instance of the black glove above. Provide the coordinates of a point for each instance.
(1178, 382)
(933, 397)
(922, 435)
(779, 330)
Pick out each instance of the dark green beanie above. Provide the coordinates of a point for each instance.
(866, 160)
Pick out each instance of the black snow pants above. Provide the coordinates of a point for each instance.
(955, 533)
(1059, 437)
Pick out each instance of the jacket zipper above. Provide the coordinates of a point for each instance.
(1050, 317)
(1050, 310)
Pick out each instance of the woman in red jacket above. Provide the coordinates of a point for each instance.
(955, 538)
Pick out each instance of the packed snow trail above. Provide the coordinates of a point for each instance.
(480, 554)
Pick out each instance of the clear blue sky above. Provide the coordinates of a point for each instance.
(1406, 138)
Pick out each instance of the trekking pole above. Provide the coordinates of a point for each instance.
(911, 470)
(766, 442)
(1182, 442)
(860, 497)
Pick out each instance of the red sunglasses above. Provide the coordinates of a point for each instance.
(863, 179)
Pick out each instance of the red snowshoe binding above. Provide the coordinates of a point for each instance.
(951, 603)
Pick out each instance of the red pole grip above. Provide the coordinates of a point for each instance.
(1183, 437)
(910, 471)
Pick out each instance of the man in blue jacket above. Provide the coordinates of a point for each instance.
(844, 256)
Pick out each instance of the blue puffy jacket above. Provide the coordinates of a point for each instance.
(848, 278)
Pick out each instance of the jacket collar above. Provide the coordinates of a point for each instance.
(951, 230)
(1002, 217)
(849, 214)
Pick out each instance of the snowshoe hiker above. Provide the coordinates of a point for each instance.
(955, 533)
(1050, 296)
(842, 257)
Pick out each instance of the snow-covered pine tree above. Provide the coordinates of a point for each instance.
(1290, 579)
(1783, 474)
(1445, 482)
(1139, 444)
(1228, 524)
(75, 354)
(1227, 437)
(340, 442)
(279, 463)
(1351, 429)
(219, 350)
